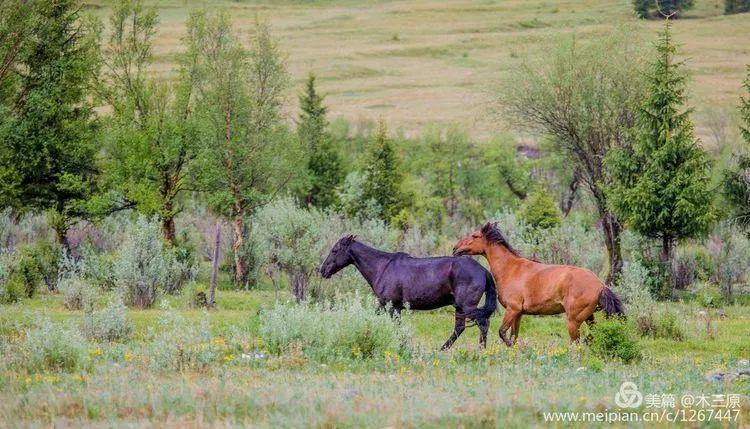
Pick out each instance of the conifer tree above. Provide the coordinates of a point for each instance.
(660, 185)
(383, 177)
(737, 179)
(324, 163)
(48, 135)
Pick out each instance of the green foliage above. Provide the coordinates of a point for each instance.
(736, 6)
(540, 211)
(47, 131)
(709, 295)
(144, 266)
(54, 347)
(324, 163)
(660, 182)
(582, 95)
(614, 339)
(178, 345)
(152, 135)
(736, 180)
(37, 266)
(108, 324)
(659, 8)
(633, 287)
(665, 325)
(383, 176)
(77, 293)
(11, 284)
(346, 330)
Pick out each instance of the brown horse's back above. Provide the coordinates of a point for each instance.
(554, 289)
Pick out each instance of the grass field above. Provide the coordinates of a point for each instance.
(417, 62)
(465, 387)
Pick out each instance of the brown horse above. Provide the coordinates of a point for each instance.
(526, 286)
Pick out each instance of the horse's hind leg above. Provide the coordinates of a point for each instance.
(457, 330)
(484, 326)
(508, 321)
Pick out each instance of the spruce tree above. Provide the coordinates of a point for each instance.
(48, 149)
(737, 179)
(324, 161)
(660, 182)
(736, 6)
(383, 177)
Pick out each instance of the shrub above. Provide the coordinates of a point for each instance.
(98, 267)
(54, 347)
(37, 265)
(349, 330)
(709, 295)
(614, 339)
(730, 250)
(540, 211)
(632, 286)
(77, 293)
(178, 345)
(665, 325)
(144, 266)
(11, 286)
(108, 324)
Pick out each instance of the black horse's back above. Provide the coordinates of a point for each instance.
(421, 283)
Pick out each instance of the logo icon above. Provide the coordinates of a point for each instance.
(628, 396)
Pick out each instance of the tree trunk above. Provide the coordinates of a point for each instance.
(612, 230)
(215, 267)
(666, 250)
(168, 229)
(240, 270)
(299, 286)
(569, 199)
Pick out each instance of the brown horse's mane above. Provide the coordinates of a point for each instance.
(493, 235)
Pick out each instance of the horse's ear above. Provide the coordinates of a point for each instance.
(349, 238)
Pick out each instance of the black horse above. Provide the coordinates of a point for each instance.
(423, 283)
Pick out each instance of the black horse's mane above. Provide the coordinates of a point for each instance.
(493, 235)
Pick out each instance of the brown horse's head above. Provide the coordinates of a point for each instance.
(338, 258)
(474, 243)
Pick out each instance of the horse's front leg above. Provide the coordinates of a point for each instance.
(395, 313)
(457, 330)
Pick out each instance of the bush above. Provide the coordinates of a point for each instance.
(664, 326)
(98, 267)
(11, 286)
(77, 293)
(144, 266)
(614, 339)
(540, 211)
(730, 251)
(53, 347)
(344, 330)
(632, 286)
(709, 295)
(179, 345)
(108, 324)
(37, 266)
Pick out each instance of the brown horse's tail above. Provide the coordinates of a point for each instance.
(610, 303)
(490, 300)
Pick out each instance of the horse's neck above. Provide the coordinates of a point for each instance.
(370, 262)
(502, 261)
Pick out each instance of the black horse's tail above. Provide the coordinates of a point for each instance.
(490, 300)
(610, 303)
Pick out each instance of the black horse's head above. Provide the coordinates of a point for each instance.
(338, 258)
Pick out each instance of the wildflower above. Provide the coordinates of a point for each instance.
(128, 356)
(436, 362)
(229, 358)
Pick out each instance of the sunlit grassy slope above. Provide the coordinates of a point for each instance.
(416, 62)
